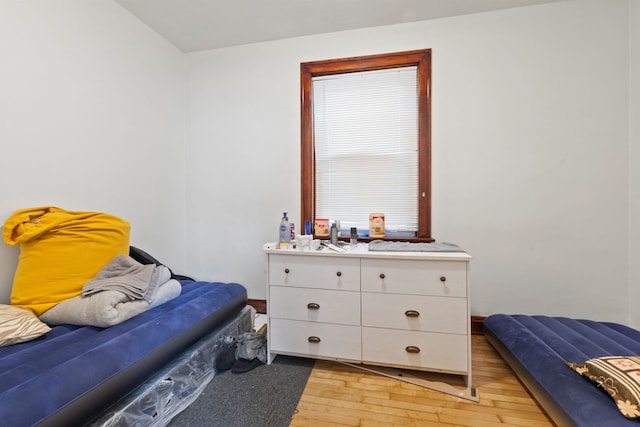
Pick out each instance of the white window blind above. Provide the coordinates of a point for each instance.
(366, 148)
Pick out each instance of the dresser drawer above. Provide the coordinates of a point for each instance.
(416, 277)
(415, 312)
(315, 339)
(420, 350)
(315, 272)
(315, 305)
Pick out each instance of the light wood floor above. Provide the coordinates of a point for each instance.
(339, 395)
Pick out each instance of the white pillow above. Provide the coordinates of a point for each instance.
(19, 325)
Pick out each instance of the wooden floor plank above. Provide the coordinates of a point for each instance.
(341, 395)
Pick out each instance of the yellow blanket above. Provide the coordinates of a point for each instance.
(60, 251)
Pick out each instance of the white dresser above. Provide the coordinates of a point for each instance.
(398, 309)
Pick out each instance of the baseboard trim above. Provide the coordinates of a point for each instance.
(259, 304)
(476, 325)
(476, 321)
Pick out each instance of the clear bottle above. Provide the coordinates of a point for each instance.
(353, 237)
(284, 232)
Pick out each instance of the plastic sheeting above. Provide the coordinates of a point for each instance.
(179, 384)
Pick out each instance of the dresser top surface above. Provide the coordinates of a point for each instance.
(362, 251)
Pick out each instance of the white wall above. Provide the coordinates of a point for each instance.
(634, 163)
(92, 109)
(530, 151)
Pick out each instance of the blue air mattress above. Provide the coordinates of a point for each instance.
(537, 347)
(73, 373)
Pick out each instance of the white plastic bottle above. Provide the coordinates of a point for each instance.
(284, 232)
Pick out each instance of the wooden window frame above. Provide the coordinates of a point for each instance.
(419, 58)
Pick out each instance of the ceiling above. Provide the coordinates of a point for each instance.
(193, 25)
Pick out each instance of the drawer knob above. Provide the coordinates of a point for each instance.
(443, 279)
(314, 340)
(313, 306)
(382, 276)
(286, 271)
(339, 273)
(412, 313)
(412, 349)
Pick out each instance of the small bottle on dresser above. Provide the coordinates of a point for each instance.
(284, 232)
(333, 234)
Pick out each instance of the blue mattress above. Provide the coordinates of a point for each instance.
(71, 374)
(537, 347)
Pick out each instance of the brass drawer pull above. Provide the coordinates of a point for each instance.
(339, 273)
(382, 276)
(313, 306)
(286, 271)
(314, 340)
(443, 279)
(412, 313)
(412, 349)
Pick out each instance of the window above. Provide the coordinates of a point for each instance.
(366, 142)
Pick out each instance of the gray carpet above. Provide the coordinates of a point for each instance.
(266, 396)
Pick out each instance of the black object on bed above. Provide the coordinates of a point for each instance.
(74, 373)
(537, 349)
